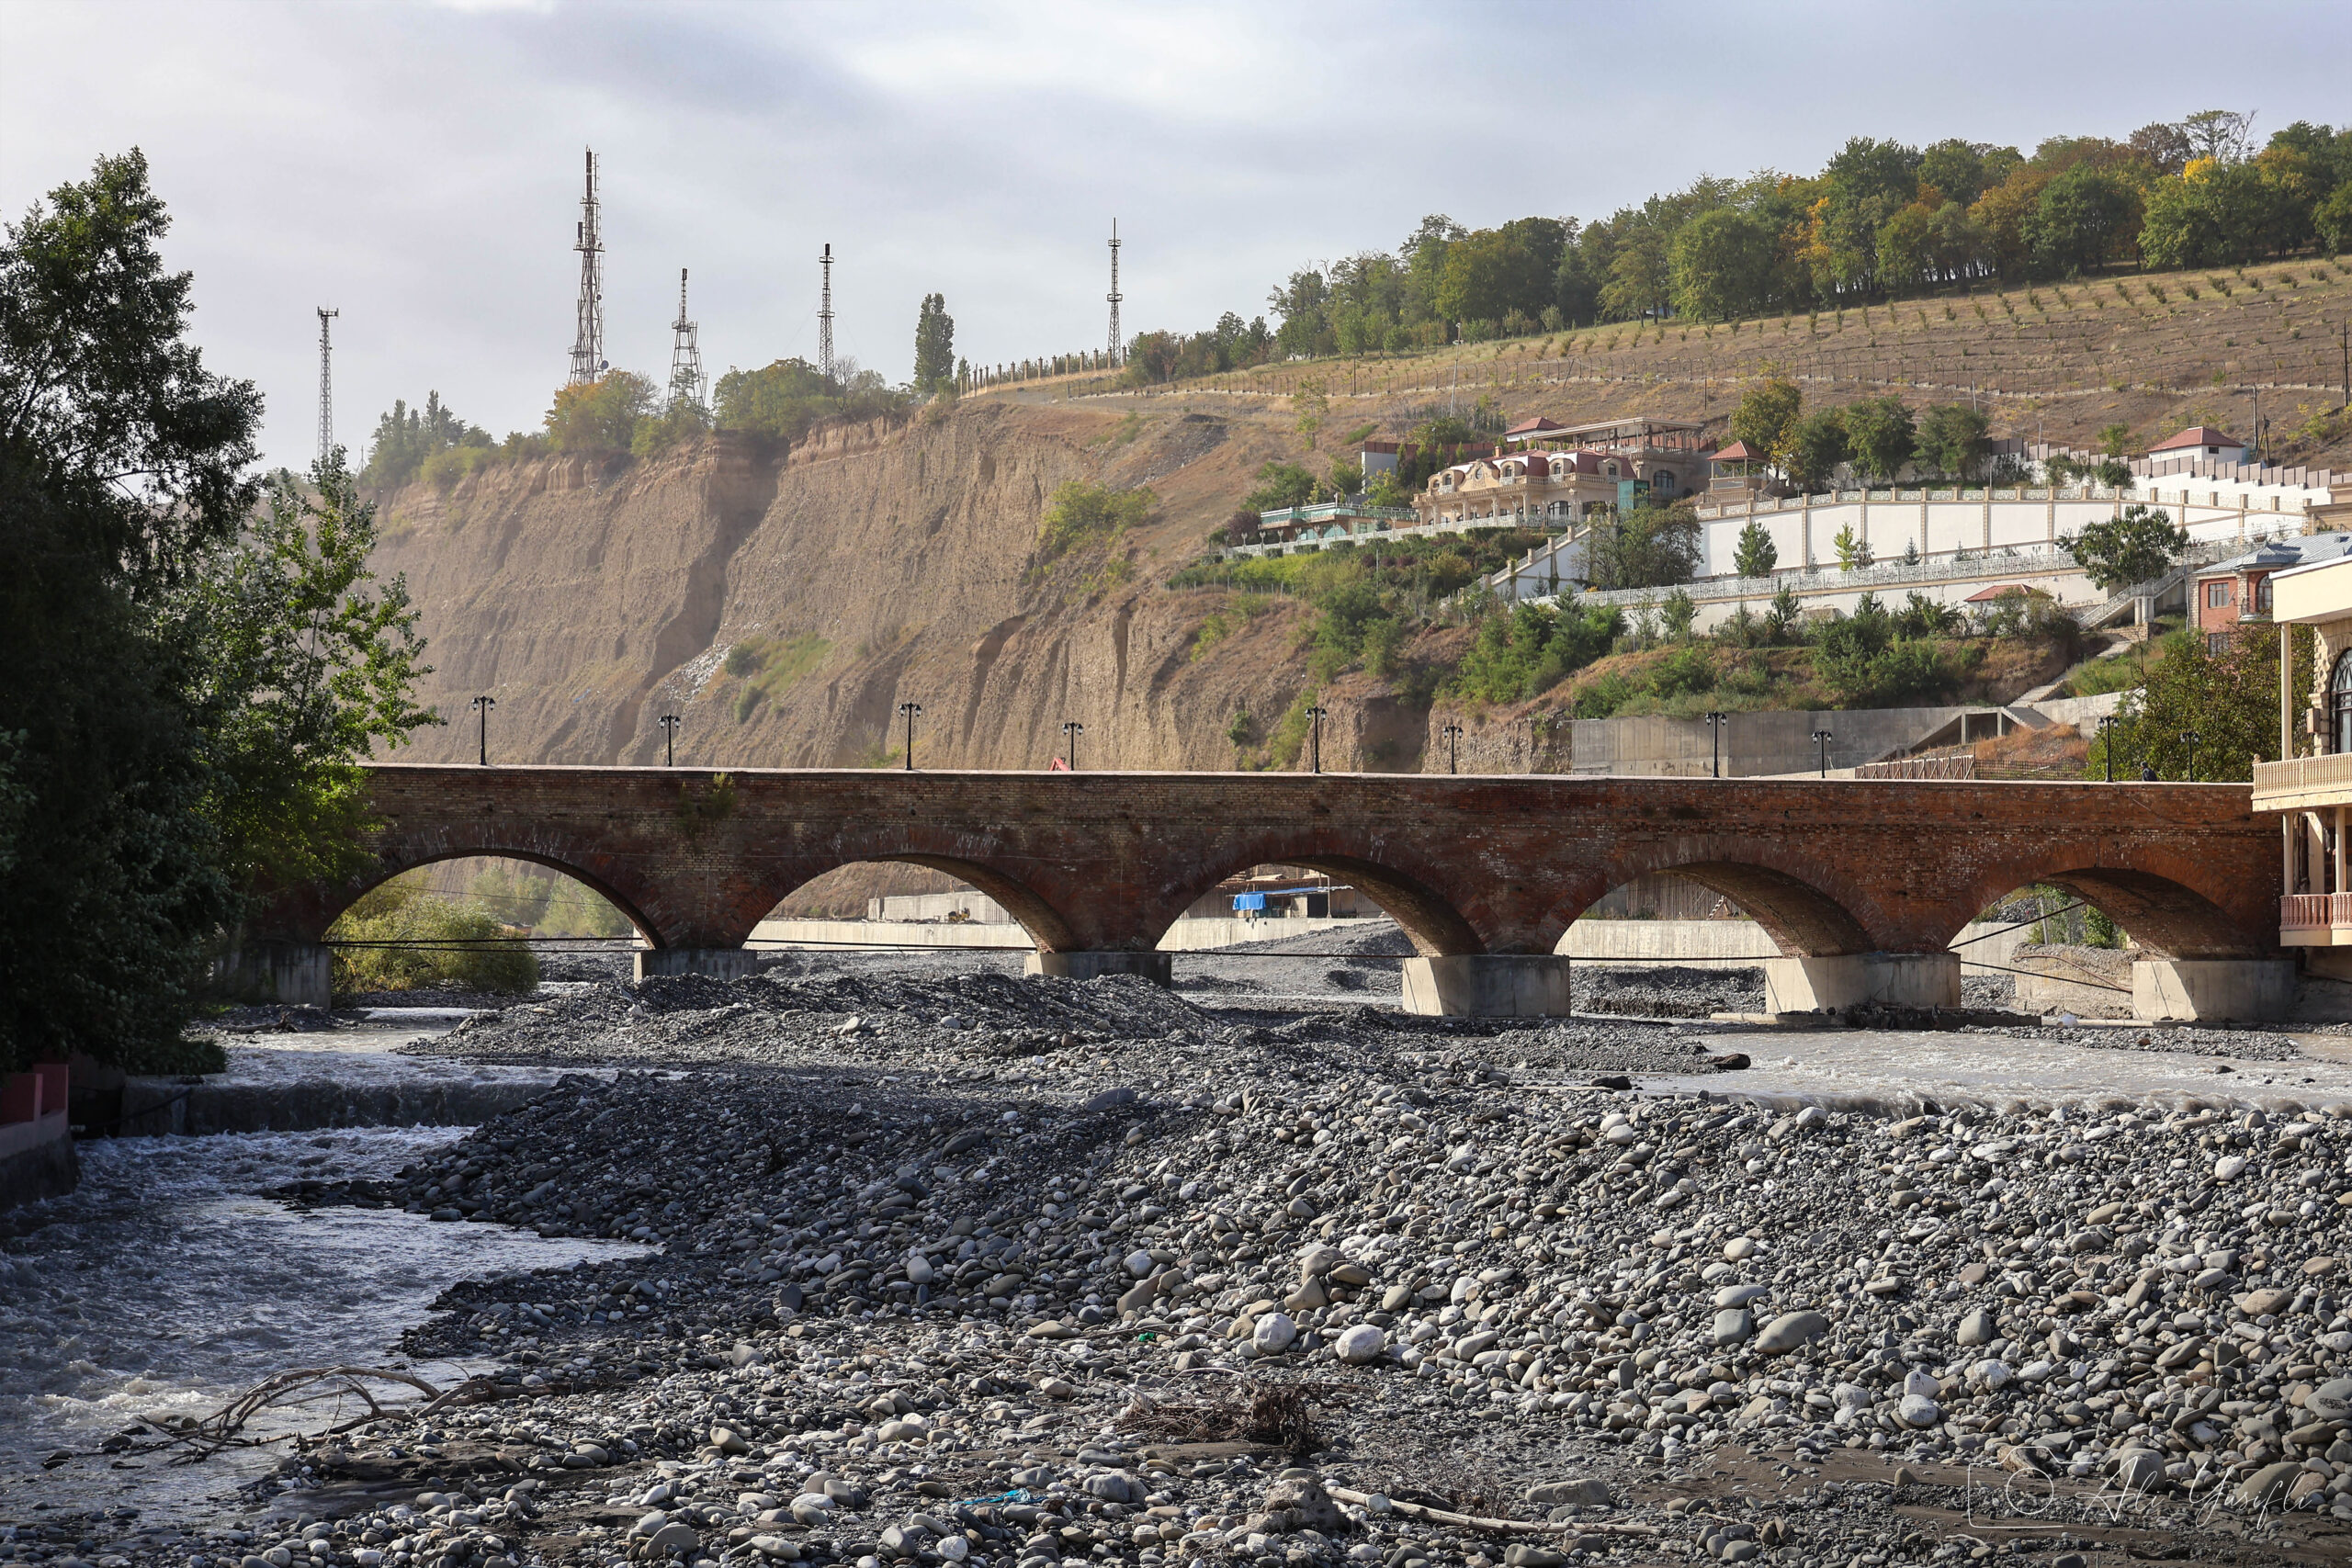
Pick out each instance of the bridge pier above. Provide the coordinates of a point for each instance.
(1487, 984)
(718, 963)
(298, 974)
(1152, 966)
(1810, 984)
(2243, 988)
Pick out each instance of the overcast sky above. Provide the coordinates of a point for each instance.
(418, 166)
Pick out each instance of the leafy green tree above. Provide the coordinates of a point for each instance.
(1756, 554)
(783, 401)
(1650, 546)
(2082, 218)
(407, 439)
(2210, 215)
(1496, 271)
(1815, 446)
(1524, 654)
(1953, 439)
(1782, 617)
(1957, 168)
(600, 416)
(934, 346)
(1079, 514)
(1768, 410)
(2141, 543)
(1678, 612)
(1723, 266)
(2228, 702)
(2333, 219)
(1853, 551)
(1879, 435)
(1280, 484)
(123, 464)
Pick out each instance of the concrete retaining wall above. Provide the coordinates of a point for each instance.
(1734, 944)
(1184, 936)
(37, 1160)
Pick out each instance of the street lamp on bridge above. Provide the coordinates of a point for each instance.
(481, 729)
(910, 712)
(1823, 738)
(2107, 743)
(2188, 738)
(1071, 731)
(670, 722)
(1315, 717)
(1453, 733)
(1715, 722)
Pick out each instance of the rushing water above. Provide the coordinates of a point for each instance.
(166, 1284)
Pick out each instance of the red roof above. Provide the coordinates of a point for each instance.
(2195, 435)
(1535, 427)
(1738, 452)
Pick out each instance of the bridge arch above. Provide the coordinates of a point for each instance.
(330, 903)
(1803, 912)
(1411, 894)
(1038, 917)
(2163, 916)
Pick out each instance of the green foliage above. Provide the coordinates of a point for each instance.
(122, 469)
(430, 442)
(2084, 217)
(2204, 716)
(1953, 439)
(1816, 445)
(1755, 553)
(1853, 551)
(934, 346)
(401, 912)
(1647, 547)
(1767, 415)
(600, 417)
(1863, 662)
(784, 399)
(1879, 436)
(769, 666)
(1081, 514)
(1280, 485)
(1534, 648)
(1724, 265)
(1678, 614)
(303, 668)
(1241, 728)
(2141, 543)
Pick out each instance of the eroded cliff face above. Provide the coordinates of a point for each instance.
(875, 564)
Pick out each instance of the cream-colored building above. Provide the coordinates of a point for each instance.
(2312, 787)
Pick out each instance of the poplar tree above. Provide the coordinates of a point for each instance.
(934, 346)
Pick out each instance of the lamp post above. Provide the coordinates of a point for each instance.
(910, 712)
(482, 727)
(1071, 731)
(1823, 738)
(2107, 743)
(2189, 738)
(1715, 722)
(1315, 719)
(1453, 733)
(669, 723)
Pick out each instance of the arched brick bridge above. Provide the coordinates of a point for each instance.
(1098, 866)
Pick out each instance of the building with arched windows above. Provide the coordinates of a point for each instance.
(1551, 476)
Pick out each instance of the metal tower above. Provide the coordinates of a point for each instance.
(326, 386)
(588, 345)
(1114, 296)
(825, 318)
(686, 383)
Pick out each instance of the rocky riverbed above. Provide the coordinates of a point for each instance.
(1018, 1272)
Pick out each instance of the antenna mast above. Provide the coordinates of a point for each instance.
(1114, 296)
(686, 383)
(326, 386)
(588, 345)
(825, 318)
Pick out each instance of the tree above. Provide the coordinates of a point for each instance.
(934, 346)
(2082, 219)
(1853, 551)
(2142, 542)
(600, 416)
(2228, 701)
(1767, 412)
(1756, 554)
(1816, 445)
(1722, 266)
(1650, 546)
(1280, 485)
(1952, 437)
(1879, 435)
(2211, 214)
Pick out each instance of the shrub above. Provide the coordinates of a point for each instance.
(401, 912)
(1080, 515)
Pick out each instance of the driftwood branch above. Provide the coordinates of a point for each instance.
(1494, 1527)
(224, 1428)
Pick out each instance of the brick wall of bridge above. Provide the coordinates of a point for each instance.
(1471, 864)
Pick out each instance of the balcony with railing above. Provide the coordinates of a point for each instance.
(2316, 920)
(2304, 783)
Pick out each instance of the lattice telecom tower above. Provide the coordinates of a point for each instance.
(686, 383)
(1114, 296)
(326, 385)
(825, 317)
(588, 345)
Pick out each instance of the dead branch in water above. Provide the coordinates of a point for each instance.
(224, 1428)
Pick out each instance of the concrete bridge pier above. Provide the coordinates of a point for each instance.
(718, 963)
(1153, 966)
(2183, 989)
(1487, 984)
(297, 973)
(1808, 983)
